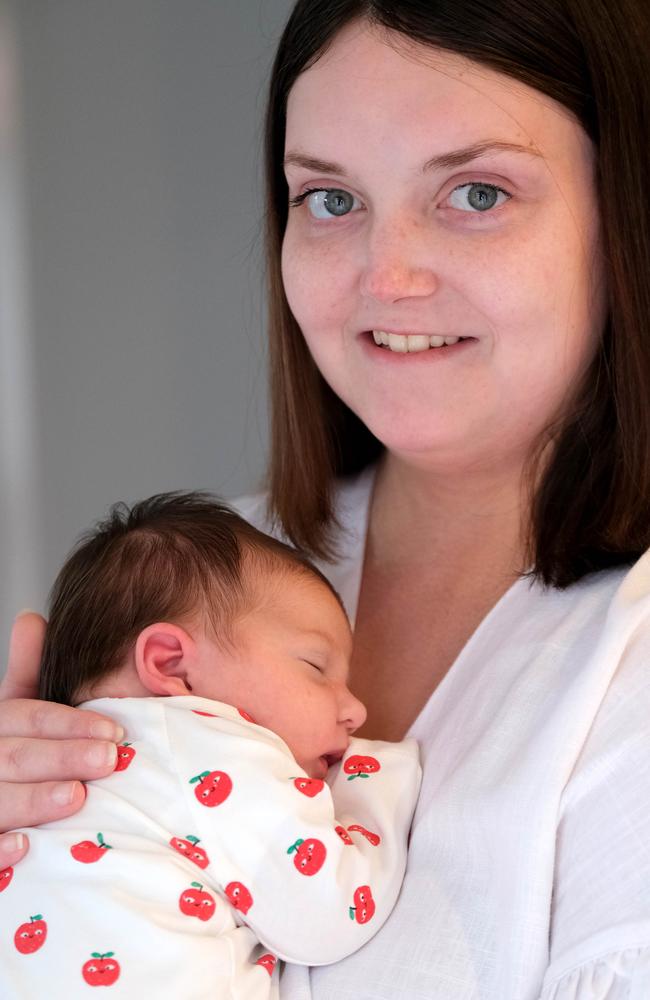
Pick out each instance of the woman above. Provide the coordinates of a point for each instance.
(459, 259)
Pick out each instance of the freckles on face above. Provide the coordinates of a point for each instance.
(314, 275)
(522, 282)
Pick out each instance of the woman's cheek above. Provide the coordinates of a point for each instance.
(314, 275)
(296, 270)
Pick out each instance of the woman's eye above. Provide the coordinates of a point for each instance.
(327, 203)
(477, 197)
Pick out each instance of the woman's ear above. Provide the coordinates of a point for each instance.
(164, 657)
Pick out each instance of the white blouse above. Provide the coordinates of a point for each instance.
(529, 862)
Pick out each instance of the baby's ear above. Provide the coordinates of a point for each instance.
(164, 654)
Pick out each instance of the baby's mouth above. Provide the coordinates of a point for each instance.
(413, 343)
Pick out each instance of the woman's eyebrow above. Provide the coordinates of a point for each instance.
(450, 160)
(458, 157)
(297, 159)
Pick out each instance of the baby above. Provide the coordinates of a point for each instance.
(241, 824)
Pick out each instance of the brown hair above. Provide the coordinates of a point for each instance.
(591, 504)
(168, 558)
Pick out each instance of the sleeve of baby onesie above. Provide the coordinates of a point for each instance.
(600, 921)
(313, 868)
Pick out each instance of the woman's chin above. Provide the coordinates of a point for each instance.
(445, 441)
(425, 441)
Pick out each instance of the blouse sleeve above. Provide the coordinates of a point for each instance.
(600, 919)
(621, 975)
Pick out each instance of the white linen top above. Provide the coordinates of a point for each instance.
(529, 864)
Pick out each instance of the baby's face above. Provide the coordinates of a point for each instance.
(288, 668)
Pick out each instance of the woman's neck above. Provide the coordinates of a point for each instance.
(418, 515)
(439, 555)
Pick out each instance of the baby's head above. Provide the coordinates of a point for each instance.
(180, 595)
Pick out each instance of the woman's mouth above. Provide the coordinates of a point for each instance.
(413, 343)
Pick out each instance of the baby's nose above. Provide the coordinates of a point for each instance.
(354, 711)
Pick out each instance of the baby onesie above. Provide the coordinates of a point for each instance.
(203, 859)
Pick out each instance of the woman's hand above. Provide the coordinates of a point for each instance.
(46, 750)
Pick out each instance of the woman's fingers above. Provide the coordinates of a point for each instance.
(31, 805)
(46, 750)
(41, 780)
(27, 717)
(42, 769)
(25, 649)
(28, 760)
(13, 846)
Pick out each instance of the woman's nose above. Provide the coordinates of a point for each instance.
(353, 712)
(398, 264)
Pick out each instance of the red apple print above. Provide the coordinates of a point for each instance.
(101, 970)
(267, 962)
(364, 905)
(239, 896)
(213, 787)
(360, 767)
(344, 835)
(244, 714)
(210, 715)
(30, 937)
(374, 838)
(125, 754)
(309, 786)
(195, 902)
(188, 847)
(309, 855)
(6, 876)
(88, 851)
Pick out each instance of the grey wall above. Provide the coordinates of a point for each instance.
(140, 133)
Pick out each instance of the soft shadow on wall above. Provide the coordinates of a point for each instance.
(141, 136)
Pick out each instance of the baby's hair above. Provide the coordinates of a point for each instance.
(166, 559)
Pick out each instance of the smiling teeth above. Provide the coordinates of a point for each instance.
(410, 343)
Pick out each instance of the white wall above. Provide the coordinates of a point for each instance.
(21, 562)
(141, 140)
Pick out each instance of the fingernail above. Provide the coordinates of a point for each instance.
(104, 729)
(26, 611)
(102, 755)
(63, 793)
(12, 842)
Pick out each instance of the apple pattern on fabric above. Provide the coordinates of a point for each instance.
(213, 787)
(101, 969)
(29, 937)
(358, 766)
(6, 876)
(188, 847)
(196, 902)
(125, 755)
(304, 802)
(90, 851)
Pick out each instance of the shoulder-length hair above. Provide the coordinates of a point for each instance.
(590, 503)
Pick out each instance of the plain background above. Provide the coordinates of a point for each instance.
(131, 271)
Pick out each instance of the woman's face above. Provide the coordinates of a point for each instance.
(447, 201)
